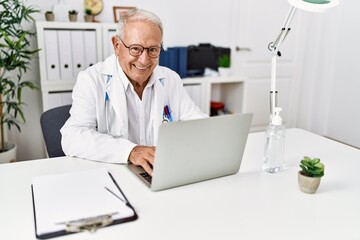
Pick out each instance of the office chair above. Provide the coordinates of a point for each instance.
(51, 122)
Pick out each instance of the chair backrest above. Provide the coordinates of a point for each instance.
(51, 122)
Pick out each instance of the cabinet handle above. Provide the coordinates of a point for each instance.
(66, 66)
(52, 66)
(238, 49)
(79, 65)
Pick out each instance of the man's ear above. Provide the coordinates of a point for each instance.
(116, 42)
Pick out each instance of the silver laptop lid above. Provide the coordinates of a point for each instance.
(198, 150)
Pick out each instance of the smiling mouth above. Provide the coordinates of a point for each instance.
(141, 68)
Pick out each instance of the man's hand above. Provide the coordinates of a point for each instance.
(143, 156)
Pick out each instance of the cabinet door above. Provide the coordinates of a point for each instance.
(78, 51)
(51, 55)
(57, 99)
(257, 24)
(65, 53)
(195, 93)
(90, 47)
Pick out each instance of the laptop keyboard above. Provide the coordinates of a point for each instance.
(146, 176)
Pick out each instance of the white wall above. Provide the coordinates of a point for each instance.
(331, 73)
(184, 21)
(327, 80)
(344, 111)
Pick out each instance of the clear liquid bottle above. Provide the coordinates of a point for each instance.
(275, 144)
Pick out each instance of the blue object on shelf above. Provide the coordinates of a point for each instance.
(175, 58)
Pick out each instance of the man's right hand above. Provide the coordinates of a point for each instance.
(143, 156)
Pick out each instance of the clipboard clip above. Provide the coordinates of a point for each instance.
(89, 224)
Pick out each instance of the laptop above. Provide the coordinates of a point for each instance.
(197, 150)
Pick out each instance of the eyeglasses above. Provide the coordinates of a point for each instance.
(136, 50)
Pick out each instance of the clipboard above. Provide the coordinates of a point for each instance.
(80, 201)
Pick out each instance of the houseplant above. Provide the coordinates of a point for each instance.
(49, 16)
(15, 56)
(88, 15)
(73, 15)
(224, 65)
(309, 176)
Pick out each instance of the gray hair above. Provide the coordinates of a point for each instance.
(140, 15)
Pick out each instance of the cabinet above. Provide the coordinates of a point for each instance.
(68, 48)
(229, 90)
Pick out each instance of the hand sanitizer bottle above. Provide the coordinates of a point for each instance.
(275, 144)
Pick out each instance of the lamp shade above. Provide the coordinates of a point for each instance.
(314, 5)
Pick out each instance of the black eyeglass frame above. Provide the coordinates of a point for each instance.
(142, 49)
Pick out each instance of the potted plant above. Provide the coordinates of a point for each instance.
(15, 56)
(309, 176)
(73, 15)
(88, 15)
(224, 65)
(49, 16)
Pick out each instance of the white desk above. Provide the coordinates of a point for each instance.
(249, 205)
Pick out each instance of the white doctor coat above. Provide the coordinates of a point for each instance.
(98, 128)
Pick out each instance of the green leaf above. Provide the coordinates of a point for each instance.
(312, 167)
(15, 55)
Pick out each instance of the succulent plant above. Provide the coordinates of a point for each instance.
(312, 167)
(88, 11)
(73, 12)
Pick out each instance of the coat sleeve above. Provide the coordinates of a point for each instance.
(186, 108)
(80, 134)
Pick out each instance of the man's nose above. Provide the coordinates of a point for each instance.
(144, 56)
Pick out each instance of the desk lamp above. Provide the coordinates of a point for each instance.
(274, 47)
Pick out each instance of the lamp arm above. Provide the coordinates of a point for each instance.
(274, 46)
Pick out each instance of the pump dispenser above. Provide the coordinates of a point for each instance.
(275, 144)
(277, 120)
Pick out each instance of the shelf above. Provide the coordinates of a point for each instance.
(63, 68)
(215, 79)
(226, 89)
(68, 25)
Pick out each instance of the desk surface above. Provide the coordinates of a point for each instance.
(248, 205)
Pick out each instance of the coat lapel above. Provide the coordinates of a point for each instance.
(160, 101)
(117, 99)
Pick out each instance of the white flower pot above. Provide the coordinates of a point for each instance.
(224, 72)
(9, 155)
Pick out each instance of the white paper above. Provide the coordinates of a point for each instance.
(73, 196)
